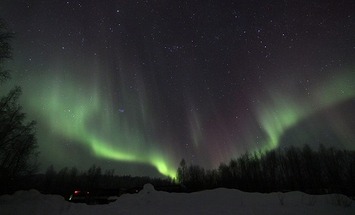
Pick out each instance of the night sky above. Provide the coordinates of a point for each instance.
(136, 86)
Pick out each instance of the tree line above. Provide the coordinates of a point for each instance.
(321, 171)
(66, 180)
(326, 170)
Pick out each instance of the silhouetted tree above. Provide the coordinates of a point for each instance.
(228, 174)
(108, 178)
(333, 168)
(293, 167)
(311, 170)
(73, 178)
(93, 176)
(18, 144)
(212, 179)
(181, 175)
(350, 173)
(196, 177)
(49, 180)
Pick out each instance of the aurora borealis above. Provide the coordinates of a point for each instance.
(136, 86)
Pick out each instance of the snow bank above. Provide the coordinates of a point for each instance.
(150, 201)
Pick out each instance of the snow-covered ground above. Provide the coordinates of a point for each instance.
(149, 201)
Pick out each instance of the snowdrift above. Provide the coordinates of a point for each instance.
(150, 201)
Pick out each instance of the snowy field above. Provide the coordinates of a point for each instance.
(149, 201)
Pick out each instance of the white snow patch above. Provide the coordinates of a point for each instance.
(150, 201)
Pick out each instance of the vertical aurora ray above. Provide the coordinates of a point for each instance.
(278, 116)
(70, 113)
(282, 112)
(196, 132)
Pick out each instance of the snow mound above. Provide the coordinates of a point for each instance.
(150, 201)
(147, 189)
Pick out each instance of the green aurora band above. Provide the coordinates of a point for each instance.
(70, 111)
(281, 112)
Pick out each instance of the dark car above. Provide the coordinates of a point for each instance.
(92, 197)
